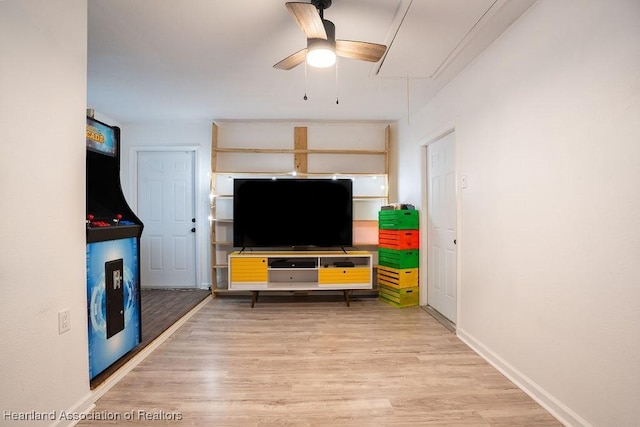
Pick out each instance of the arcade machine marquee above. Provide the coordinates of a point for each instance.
(113, 253)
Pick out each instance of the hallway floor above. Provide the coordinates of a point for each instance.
(315, 362)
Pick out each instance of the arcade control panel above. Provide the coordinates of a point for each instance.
(111, 227)
(117, 220)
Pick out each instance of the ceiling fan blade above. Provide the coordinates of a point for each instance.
(292, 61)
(363, 51)
(308, 19)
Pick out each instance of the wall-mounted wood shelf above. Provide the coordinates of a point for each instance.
(225, 161)
(298, 174)
(296, 151)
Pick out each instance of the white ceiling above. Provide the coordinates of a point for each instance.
(177, 60)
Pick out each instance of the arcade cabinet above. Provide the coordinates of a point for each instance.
(113, 253)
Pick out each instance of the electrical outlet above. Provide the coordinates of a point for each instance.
(64, 321)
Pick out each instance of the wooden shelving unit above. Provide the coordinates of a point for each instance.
(365, 228)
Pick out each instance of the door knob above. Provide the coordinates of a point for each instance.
(454, 242)
(193, 230)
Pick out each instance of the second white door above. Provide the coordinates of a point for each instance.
(441, 231)
(166, 207)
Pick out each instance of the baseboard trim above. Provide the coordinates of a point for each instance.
(87, 404)
(83, 406)
(555, 407)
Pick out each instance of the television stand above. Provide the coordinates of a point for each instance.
(300, 271)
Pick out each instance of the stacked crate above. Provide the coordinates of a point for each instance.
(398, 246)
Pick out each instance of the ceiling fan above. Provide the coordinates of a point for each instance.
(322, 46)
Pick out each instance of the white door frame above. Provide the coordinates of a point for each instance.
(424, 213)
(133, 167)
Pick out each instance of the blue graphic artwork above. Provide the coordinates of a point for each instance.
(103, 348)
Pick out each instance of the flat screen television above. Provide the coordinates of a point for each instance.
(292, 212)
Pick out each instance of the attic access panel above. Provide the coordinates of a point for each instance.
(429, 33)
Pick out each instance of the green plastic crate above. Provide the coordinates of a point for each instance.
(407, 297)
(398, 219)
(395, 258)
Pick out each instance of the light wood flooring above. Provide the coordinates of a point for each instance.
(307, 361)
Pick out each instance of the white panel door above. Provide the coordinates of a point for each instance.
(441, 231)
(166, 207)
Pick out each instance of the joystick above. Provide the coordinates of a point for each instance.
(117, 218)
(92, 223)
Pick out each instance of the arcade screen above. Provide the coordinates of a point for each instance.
(101, 138)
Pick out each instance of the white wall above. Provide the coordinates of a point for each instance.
(175, 134)
(42, 185)
(548, 134)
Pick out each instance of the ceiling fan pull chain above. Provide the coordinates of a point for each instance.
(305, 81)
(337, 102)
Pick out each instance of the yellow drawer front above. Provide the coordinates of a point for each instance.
(397, 278)
(248, 269)
(332, 276)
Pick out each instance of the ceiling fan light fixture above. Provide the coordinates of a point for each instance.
(322, 46)
(321, 53)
